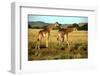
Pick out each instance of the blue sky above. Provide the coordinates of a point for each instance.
(60, 19)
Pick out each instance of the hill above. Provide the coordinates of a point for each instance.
(40, 24)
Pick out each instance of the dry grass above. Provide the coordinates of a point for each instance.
(77, 40)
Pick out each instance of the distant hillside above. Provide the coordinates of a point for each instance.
(37, 24)
(40, 24)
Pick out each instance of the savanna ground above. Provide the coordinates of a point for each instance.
(78, 46)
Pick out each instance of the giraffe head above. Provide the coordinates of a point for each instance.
(56, 24)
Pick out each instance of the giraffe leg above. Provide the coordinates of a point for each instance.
(47, 40)
(59, 43)
(37, 45)
(67, 40)
(67, 43)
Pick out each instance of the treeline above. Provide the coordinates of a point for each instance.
(81, 27)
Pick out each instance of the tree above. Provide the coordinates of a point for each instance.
(29, 26)
(84, 27)
(75, 25)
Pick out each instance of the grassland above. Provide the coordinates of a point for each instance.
(77, 40)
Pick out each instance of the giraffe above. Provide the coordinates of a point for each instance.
(63, 34)
(45, 33)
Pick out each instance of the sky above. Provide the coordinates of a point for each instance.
(60, 19)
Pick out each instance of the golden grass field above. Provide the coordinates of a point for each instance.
(78, 41)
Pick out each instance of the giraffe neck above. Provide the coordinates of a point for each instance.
(49, 27)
